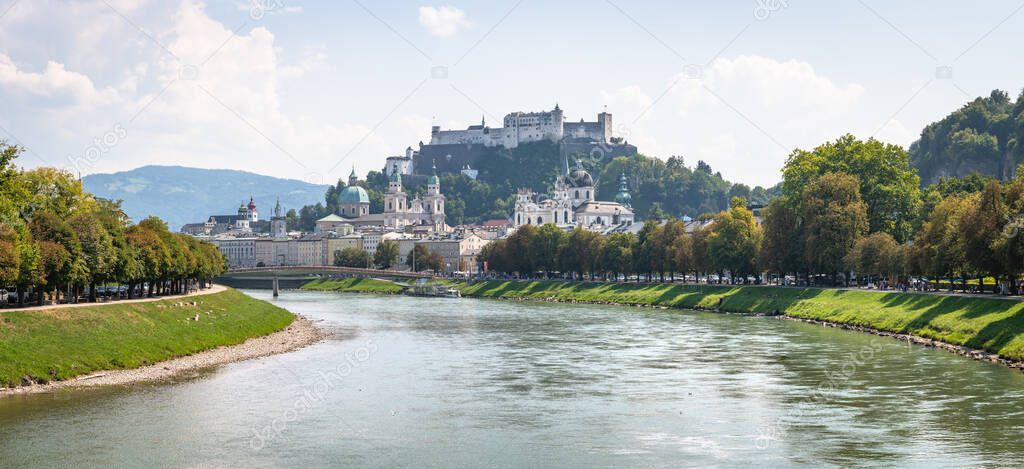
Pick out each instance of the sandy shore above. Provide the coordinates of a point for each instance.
(300, 333)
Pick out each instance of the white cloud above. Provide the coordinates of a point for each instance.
(211, 99)
(768, 106)
(445, 21)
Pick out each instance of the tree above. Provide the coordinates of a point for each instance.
(494, 256)
(435, 262)
(647, 246)
(734, 240)
(875, 254)
(782, 239)
(938, 249)
(387, 254)
(544, 246)
(517, 249)
(97, 248)
(29, 271)
(1010, 246)
(351, 257)
(617, 255)
(834, 217)
(887, 184)
(656, 212)
(666, 245)
(152, 254)
(55, 267)
(580, 253)
(980, 229)
(13, 193)
(420, 255)
(681, 254)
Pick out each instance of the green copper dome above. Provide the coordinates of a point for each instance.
(354, 195)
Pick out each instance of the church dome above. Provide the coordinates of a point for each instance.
(354, 195)
(578, 177)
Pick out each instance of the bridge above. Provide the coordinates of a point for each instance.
(261, 278)
(319, 270)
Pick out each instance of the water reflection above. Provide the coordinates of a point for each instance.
(487, 383)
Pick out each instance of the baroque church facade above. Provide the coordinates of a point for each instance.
(399, 212)
(573, 202)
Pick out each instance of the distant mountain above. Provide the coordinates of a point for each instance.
(182, 195)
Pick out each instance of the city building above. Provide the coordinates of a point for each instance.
(573, 203)
(399, 213)
(526, 127)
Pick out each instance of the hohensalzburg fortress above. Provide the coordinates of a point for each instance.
(525, 127)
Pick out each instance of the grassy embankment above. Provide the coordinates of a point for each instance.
(354, 285)
(57, 344)
(990, 324)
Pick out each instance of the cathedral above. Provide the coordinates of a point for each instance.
(399, 212)
(573, 203)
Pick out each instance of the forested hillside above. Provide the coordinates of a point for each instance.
(664, 187)
(980, 137)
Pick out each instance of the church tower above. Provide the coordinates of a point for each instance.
(278, 224)
(395, 203)
(623, 197)
(251, 212)
(433, 200)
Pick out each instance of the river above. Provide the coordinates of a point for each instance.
(420, 382)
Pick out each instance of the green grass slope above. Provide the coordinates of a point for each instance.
(354, 285)
(58, 344)
(990, 324)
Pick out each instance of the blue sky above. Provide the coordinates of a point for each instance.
(308, 89)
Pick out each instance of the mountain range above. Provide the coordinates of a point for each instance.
(182, 195)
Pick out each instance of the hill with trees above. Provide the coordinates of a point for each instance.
(659, 188)
(983, 136)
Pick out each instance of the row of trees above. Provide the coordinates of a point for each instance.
(386, 256)
(56, 240)
(846, 206)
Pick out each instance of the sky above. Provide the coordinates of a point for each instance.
(310, 89)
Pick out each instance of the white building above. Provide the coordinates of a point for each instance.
(240, 251)
(572, 203)
(399, 213)
(525, 127)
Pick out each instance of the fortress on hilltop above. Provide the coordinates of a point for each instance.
(526, 127)
(454, 151)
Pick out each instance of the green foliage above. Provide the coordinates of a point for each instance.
(983, 136)
(782, 237)
(43, 346)
(876, 254)
(62, 239)
(351, 257)
(888, 185)
(424, 259)
(387, 254)
(734, 241)
(834, 217)
(354, 285)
